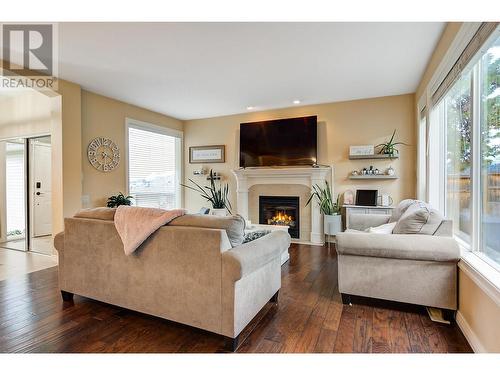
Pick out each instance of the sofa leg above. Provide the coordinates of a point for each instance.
(66, 296)
(449, 315)
(275, 298)
(346, 298)
(232, 343)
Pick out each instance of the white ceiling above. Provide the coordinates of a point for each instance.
(198, 70)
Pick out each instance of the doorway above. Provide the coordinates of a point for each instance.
(26, 192)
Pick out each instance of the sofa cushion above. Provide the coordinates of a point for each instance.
(419, 218)
(233, 225)
(401, 208)
(383, 229)
(398, 246)
(99, 213)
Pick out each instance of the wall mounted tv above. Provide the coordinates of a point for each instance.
(285, 142)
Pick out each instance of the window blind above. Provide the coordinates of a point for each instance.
(152, 168)
(477, 41)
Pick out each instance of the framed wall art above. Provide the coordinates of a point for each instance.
(207, 154)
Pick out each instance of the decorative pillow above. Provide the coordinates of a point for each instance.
(233, 225)
(401, 209)
(383, 229)
(419, 218)
(249, 237)
(99, 213)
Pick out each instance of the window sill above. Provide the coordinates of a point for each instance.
(482, 273)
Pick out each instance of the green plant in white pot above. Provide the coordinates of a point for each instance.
(217, 194)
(328, 207)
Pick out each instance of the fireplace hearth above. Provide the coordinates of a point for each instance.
(279, 210)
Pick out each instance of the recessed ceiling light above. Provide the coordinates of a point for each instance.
(249, 108)
(296, 101)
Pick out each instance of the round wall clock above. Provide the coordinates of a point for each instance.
(103, 154)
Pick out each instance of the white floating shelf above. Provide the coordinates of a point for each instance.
(373, 177)
(374, 156)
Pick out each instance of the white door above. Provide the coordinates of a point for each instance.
(41, 188)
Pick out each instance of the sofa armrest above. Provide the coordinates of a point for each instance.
(59, 241)
(399, 246)
(249, 257)
(365, 221)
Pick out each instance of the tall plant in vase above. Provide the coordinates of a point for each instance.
(217, 194)
(328, 207)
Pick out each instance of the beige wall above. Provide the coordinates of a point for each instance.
(481, 313)
(105, 117)
(341, 124)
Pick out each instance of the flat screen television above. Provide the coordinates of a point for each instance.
(285, 142)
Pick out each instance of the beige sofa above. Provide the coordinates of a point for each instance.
(184, 272)
(418, 268)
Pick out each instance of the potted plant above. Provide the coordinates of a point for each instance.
(119, 200)
(329, 208)
(389, 148)
(217, 194)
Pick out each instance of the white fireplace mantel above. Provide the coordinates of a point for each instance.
(308, 176)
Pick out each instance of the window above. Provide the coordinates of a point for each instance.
(489, 201)
(458, 129)
(463, 150)
(154, 165)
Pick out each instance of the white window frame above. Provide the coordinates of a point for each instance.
(179, 148)
(472, 262)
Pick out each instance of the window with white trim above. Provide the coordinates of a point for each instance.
(154, 165)
(464, 145)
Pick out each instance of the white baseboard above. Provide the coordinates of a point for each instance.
(469, 334)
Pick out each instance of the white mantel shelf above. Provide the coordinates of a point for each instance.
(307, 176)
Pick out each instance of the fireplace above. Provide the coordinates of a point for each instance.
(280, 211)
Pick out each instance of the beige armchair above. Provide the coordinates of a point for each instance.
(411, 268)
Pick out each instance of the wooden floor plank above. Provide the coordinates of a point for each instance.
(309, 318)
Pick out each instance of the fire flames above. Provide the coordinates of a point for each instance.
(281, 218)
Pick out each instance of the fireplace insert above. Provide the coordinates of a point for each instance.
(279, 210)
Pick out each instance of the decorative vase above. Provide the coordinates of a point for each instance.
(218, 211)
(332, 224)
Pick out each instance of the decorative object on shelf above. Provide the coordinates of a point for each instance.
(103, 154)
(385, 200)
(200, 172)
(348, 197)
(365, 150)
(215, 176)
(367, 173)
(373, 177)
(216, 194)
(207, 154)
(119, 200)
(389, 148)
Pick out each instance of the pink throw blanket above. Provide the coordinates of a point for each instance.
(136, 224)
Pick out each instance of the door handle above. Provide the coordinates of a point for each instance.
(38, 193)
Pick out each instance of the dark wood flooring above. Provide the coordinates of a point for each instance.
(309, 318)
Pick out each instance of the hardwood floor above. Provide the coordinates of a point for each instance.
(310, 317)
